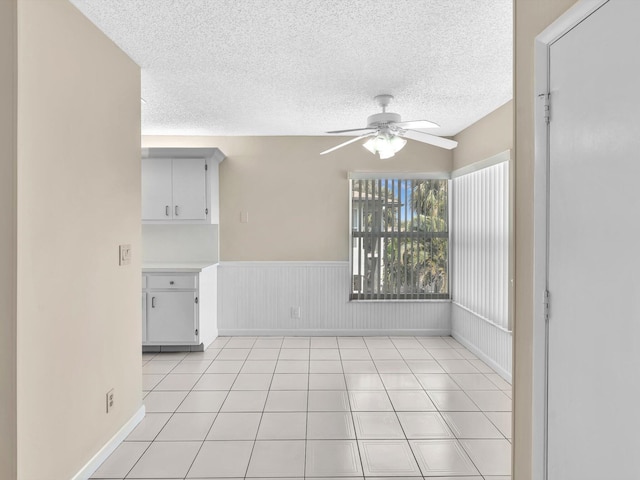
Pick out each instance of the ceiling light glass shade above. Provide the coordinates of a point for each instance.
(385, 145)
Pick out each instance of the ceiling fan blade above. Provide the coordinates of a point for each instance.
(417, 124)
(352, 130)
(344, 144)
(430, 139)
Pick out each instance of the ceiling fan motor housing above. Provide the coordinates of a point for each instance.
(380, 119)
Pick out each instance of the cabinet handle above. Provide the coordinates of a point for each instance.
(153, 302)
(166, 210)
(171, 282)
(176, 210)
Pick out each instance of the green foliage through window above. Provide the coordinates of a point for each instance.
(400, 239)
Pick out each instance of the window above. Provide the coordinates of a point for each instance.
(399, 239)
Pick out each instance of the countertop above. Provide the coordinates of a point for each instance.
(152, 267)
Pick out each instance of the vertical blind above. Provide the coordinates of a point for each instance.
(399, 239)
(480, 243)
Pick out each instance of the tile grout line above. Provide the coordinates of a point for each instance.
(394, 407)
(217, 413)
(308, 390)
(306, 416)
(255, 440)
(168, 420)
(347, 393)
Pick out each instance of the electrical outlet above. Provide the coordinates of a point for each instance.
(110, 400)
(125, 254)
(295, 313)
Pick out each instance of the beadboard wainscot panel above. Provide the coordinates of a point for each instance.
(257, 298)
(480, 261)
(489, 342)
(480, 242)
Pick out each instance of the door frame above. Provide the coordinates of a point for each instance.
(543, 42)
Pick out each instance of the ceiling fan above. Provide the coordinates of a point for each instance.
(388, 132)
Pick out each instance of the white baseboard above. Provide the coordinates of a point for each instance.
(328, 332)
(482, 356)
(93, 464)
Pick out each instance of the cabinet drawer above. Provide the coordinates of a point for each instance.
(171, 281)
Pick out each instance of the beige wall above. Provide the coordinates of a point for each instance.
(78, 198)
(531, 18)
(487, 137)
(8, 105)
(297, 200)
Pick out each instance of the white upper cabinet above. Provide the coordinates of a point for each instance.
(156, 188)
(180, 185)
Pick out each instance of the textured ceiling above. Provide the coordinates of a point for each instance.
(301, 67)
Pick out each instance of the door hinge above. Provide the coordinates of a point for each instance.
(196, 299)
(546, 305)
(547, 106)
(206, 211)
(206, 167)
(196, 332)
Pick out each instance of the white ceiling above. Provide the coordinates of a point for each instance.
(301, 67)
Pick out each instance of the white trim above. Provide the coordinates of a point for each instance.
(486, 163)
(399, 300)
(398, 175)
(482, 356)
(92, 465)
(566, 22)
(347, 332)
(477, 315)
(183, 152)
(288, 264)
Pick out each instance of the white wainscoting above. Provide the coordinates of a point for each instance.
(480, 242)
(480, 263)
(487, 341)
(256, 298)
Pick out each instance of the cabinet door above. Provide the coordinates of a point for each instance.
(189, 189)
(171, 317)
(156, 189)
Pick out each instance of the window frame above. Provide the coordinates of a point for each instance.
(412, 297)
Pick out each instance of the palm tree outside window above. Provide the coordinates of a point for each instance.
(400, 239)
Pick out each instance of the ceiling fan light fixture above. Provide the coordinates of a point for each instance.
(385, 145)
(387, 132)
(385, 154)
(370, 145)
(397, 143)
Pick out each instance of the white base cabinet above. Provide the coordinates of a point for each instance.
(172, 318)
(179, 308)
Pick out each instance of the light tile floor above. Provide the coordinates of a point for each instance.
(320, 407)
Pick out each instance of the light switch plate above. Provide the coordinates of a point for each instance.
(125, 254)
(244, 217)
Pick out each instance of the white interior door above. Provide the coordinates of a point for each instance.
(156, 188)
(189, 189)
(594, 248)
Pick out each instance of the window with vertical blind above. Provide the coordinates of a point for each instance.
(399, 238)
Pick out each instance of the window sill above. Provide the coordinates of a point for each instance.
(394, 300)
